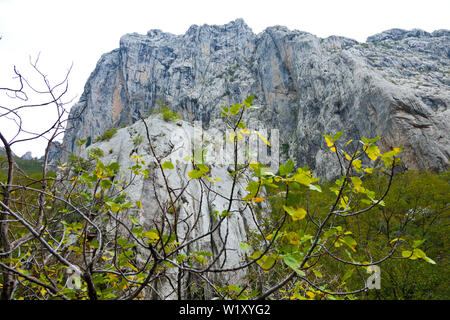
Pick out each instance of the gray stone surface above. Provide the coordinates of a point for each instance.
(27, 156)
(196, 203)
(396, 85)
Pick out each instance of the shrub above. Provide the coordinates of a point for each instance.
(107, 135)
(95, 152)
(168, 114)
(137, 141)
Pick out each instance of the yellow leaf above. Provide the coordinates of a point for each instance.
(132, 267)
(396, 239)
(357, 164)
(151, 235)
(419, 253)
(256, 199)
(373, 152)
(318, 274)
(328, 141)
(368, 170)
(295, 213)
(112, 276)
(310, 294)
(262, 138)
(357, 182)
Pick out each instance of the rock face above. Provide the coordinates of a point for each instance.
(196, 201)
(27, 156)
(396, 85)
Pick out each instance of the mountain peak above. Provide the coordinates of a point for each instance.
(398, 34)
(306, 86)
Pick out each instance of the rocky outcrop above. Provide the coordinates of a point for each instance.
(3, 152)
(396, 85)
(27, 156)
(195, 201)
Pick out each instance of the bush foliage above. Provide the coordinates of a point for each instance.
(318, 239)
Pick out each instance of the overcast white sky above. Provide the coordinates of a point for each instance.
(79, 31)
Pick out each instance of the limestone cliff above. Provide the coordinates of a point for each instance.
(396, 85)
(198, 229)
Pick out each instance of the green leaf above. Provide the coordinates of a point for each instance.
(318, 274)
(329, 233)
(337, 136)
(268, 262)
(80, 142)
(233, 287)
(241, 125)
(94, 244)
(234, 109)
(287, 168)
(373, 152)
(134, 220)
(303, 176)
(249, 100)
(255, 255)
(419, 253)
(245, 246)
(168, 165)
(292, 262)
(406, 253)
(114, 166)
(347, 275)
(200, 259)
(357, 183)
(122, 242)
(253, 187)
(195, 174)
(115, 207)
(203, 168)
(417, 243)
(127, 205)
(349, 241)
(106, 184)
